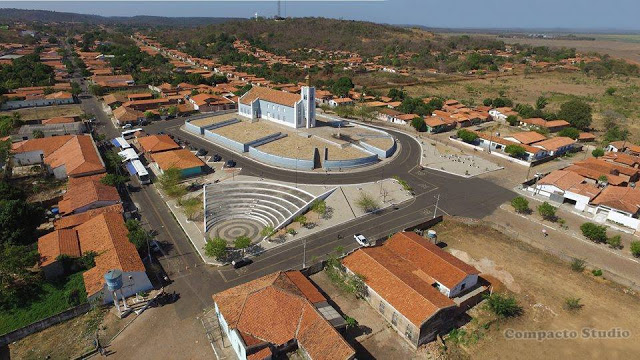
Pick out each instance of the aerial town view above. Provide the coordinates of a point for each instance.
(315, 180)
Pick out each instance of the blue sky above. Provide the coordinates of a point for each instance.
(575, 14)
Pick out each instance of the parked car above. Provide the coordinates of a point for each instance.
(362, 240)
(201, 152)
(230, 163)
(194, 187)
(217, 158)
(237, 264)
(127, 126)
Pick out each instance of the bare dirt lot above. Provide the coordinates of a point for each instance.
(541, 283)
(46, 112)
(69, 339)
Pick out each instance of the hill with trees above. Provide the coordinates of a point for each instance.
(45, 16)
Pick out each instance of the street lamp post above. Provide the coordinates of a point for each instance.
(304, 253)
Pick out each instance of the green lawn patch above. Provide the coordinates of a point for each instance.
(54, 298)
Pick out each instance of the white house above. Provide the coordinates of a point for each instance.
(280, 313)
(293, 110)
(566, 186)
(619, 205)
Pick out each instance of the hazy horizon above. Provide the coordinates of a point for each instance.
(591, 15)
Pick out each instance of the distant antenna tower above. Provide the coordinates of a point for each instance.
(256, 15)
(279, 9)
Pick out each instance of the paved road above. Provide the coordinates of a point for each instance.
(196, 282)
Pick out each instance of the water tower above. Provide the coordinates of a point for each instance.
(114, 284)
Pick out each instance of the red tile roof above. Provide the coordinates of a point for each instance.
(106, 234)
(77, 219)
(622, 198)
(562, 179)
(528, 137)
(59, 242)
(181, 159)
(555, 143)
(77, 153)
(403, 271)
(85, 194)
(266, 94)
(157, 143)
(273, 309)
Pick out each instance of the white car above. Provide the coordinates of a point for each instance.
(363, 241)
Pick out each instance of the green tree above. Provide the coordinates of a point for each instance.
(516, 151)
(18, 282)
(512, 120)
(570, 132)
(594, 232)
(365, 113)
(467, 136)
(114, 180)
(541, 102)
(319, 206)
(521, 205)
(547, 211)
(75, 88)
(615, 242)
(397, 95)
(342, 87)
(169, 182)
(191, 206)
(367, 203)
(577, 113)
(635, 248)
(418, 124)
(610, 91)
(503, 305)
(597, 152)
(173, 110)
(301, 219)
(97, 90)
(216, 248)
(18, 221)
(242, 242)
(266, 231)
(138, 236)
(344, 111)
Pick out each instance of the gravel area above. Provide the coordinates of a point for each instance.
(382, 143)
(245, 131)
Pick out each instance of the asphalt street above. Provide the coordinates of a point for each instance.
(196, 282)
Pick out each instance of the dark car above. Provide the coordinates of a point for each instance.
(231, 163)
(217, 158)
(201, 152)
(237, 264)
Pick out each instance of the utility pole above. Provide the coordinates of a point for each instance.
(436, 209)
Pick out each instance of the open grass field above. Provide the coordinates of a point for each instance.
(53, 298)
(557, 86)
(541, 284)
(46, 112)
